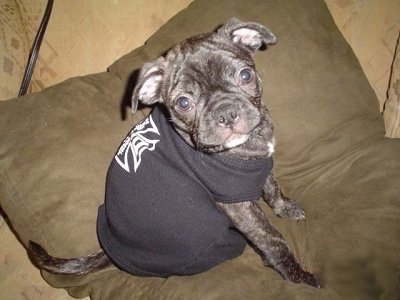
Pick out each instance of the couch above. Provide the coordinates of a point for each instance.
(332, 155)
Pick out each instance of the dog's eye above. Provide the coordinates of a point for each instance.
(245, 75)
(184, 103)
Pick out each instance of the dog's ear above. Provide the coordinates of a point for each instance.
(250, 35)
(147, 88)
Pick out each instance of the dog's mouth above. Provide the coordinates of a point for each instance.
(216, 137)
(236, 139)
(228, 139)
(233, 136)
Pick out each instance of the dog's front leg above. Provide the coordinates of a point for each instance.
(249, 219)
(281, 205)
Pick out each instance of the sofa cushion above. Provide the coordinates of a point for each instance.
(331, 155)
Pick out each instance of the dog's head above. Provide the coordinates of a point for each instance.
(210, 86)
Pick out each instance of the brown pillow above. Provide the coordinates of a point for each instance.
(331, 155)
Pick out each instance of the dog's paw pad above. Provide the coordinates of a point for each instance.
(290, 209)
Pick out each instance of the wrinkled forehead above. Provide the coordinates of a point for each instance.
(209, 64)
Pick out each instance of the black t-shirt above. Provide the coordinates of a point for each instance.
(160, 216)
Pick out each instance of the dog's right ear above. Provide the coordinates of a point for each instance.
(147, 89)
(249, 35)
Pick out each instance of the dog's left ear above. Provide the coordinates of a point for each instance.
(248, 34)
(148, 84)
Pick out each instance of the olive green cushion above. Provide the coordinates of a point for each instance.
(56, 145)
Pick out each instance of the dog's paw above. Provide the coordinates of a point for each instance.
(293, 272)
(289, 209)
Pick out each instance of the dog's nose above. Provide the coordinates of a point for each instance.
(226, 114)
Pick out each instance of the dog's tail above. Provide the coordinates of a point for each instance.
(73, 266)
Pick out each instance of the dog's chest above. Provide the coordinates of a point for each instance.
(154, 154)
(161, 194)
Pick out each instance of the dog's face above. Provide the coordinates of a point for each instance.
(210, 86)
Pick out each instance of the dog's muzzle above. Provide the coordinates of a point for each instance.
(226, 114)
(227, 124)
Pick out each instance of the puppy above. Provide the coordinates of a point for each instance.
(194, 168)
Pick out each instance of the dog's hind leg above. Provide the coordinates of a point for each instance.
(249, 219)
(281, 205)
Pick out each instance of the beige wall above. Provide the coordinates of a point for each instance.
(86, 36)
(82, 37)
(371, 27)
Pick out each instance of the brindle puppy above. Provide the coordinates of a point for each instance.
(194, 168)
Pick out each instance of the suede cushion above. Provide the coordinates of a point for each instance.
(331, 155)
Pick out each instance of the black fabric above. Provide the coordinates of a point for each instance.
(160, 216)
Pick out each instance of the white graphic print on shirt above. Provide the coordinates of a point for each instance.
(135, 143)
